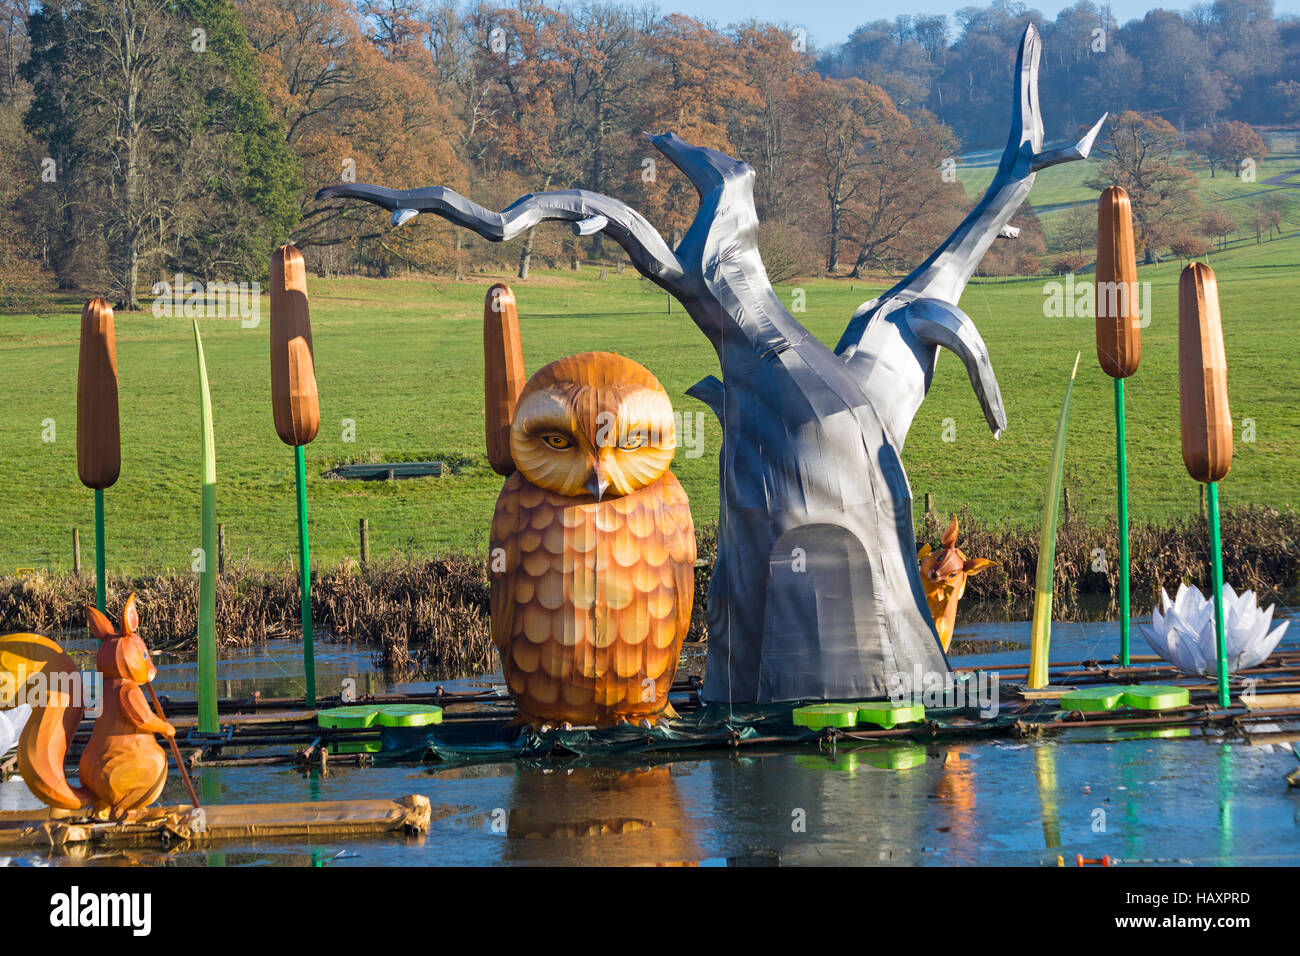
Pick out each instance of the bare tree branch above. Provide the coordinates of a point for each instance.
(588, 212)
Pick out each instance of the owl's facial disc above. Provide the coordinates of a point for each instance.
(635, 438)
(571, 438)
(546, 442)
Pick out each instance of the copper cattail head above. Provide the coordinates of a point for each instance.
(1203, 376)
(293, 374)
(1119, 336)
(503, 374)
(99, 440)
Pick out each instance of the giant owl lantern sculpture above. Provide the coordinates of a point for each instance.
(592, 545)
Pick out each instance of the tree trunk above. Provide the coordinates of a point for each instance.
(525, 255)
(833, 258)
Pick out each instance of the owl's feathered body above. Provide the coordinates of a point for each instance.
(590, 621)
(593, 547)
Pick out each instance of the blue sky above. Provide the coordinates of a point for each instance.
(830, 21)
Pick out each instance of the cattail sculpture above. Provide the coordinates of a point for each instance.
(503, 362)
(296, 409)
(99, 439)
(1119, 346)
(1206, 421)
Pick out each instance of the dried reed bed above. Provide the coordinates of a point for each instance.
(433, 615)
(1261, 552)
(430, 615)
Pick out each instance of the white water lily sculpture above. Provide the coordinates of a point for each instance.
(12, 723)
(1182, 630)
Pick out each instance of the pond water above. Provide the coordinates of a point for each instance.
(1199, 799)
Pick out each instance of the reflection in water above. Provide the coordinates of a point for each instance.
(598, 816)
(1225, 802)
(1045, 775)
(784, 810)
(956, 791)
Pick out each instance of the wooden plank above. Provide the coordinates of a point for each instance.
(169, 826)
(1270, 701)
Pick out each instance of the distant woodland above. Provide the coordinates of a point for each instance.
(142, 138)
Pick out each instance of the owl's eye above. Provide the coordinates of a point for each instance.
(632, 441)
(557, 441)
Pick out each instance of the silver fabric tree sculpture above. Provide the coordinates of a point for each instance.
(816, 592)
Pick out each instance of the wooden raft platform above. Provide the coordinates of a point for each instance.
(190, 826)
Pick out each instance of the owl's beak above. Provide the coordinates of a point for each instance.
(598, 483)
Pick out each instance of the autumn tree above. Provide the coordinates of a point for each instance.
(694, 92)
(352, 105)
(1188, 246)
(124, 124)
(1141, 154)
(1218, 224)
(1076, 228)
(906, 205)
(848, 122)
(768, 130)
(1229, 144)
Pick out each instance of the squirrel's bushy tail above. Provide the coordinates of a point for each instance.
(36, 671)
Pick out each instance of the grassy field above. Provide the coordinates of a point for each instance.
(1060, 187)
(402, 359)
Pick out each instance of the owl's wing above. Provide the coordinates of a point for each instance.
(681, 549)
(503, 563)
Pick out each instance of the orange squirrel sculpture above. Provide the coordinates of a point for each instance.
(122, 768)
(943, 575)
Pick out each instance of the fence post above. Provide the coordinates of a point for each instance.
(76, 551)
(221, 549)
(928, 504)
(365, 541)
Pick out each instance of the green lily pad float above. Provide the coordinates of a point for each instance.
(902, 757)
(889, 713)
(347, 718)
(1094, 698)
(1155, 733)
(1156, 697)
(408, 715)
(357, 747)
(819, 716)
(845, 763)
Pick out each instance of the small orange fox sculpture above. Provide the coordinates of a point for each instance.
(122, 768)
(943, 575)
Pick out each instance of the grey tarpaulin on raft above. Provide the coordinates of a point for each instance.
(816, 593)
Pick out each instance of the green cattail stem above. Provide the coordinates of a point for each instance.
(101, 574)
(1216, 569)
(304, 566)
(1121, 472)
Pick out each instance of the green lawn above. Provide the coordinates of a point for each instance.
(1057, 188)
(403, 360)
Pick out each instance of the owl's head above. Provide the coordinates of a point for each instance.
(597, 422)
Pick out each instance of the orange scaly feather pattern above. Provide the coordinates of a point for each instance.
(593, 547)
